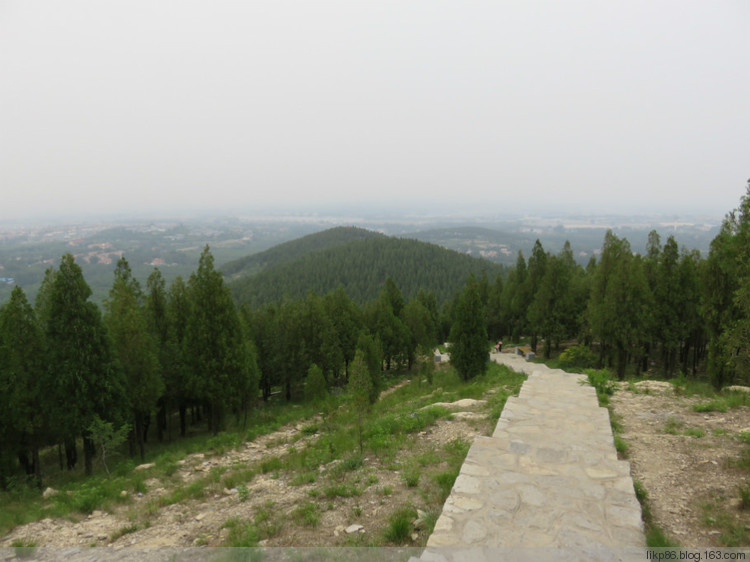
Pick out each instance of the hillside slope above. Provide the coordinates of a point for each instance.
(294, 249)
(361, 267)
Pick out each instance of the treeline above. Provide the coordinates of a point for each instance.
(669, 308)
(160, 358)
(70, 374)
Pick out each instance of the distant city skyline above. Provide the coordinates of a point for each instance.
(187, 106)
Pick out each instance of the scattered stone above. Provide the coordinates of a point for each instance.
(200, 516)
(145, 466)
(355, 529)
(48, 492)
(737, 388)
(662, 387)
(124, 494)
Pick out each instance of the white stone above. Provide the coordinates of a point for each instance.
(145, 466)
(354, 529)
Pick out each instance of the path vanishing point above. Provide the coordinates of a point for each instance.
(547, 485)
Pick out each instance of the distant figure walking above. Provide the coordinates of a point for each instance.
(499, 346)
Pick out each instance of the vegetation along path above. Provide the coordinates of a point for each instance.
(549, 477)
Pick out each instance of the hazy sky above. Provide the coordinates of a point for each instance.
(501, 105)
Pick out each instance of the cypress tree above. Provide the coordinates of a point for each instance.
(469, 350)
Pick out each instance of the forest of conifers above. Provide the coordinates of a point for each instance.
(158, 357)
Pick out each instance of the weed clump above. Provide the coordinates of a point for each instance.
(400, 525)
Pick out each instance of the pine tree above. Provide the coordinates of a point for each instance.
(469, 351)
(22, 391)
(82, 379)
(221, 367)
(134, 349)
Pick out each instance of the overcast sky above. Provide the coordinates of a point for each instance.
(590, 106)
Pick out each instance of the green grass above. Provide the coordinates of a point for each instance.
(411, 475)
(242, 534)
(399, 526)
(307, 514)
(390, 428)
(655, 537)
(717, 405)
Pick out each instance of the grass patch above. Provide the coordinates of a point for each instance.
(341, 490)
(307, 514)
(694, 432)
(399, 526)
(273, 464)
(717, 405)
(411, 475)
(242, 534)
(673, 426)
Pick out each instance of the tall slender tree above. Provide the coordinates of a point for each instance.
(23, 417)
(82, 379)
(469, 350)
(134, 349)
(218, 356)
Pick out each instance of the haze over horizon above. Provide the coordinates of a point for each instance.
(185, 106)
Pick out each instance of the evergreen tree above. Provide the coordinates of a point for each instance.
(22, 392)
(82, 380)
(174, 366)
(220, 364)
(134, 349)
(360, 387)
(372, 354)
(468, 338)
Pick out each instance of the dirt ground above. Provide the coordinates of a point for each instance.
(271, 500)
(687, 462)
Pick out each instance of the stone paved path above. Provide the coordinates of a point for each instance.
(547, 485)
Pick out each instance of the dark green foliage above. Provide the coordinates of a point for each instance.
(469, 351)
(315, 385)
(134, 348)
(22, 394)
(222, 369)
(296, 249)
(360, 266)
(372, 354)
(82, 375)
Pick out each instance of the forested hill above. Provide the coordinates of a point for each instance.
(361, 267)
(295, 249)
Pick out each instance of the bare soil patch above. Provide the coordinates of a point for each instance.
(687, 461)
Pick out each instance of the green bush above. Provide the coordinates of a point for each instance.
(600, 380)
(579, 356)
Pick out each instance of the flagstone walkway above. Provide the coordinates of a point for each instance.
(547, 485)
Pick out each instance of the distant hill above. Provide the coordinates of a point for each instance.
(295, 249)
(360, 266)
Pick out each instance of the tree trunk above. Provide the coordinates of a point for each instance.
(37, 464)
(622, 360)
(89, 450)
(183, 419)
(71, 453)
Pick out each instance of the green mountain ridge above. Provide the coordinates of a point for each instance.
(294, 249)
(360, 265)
